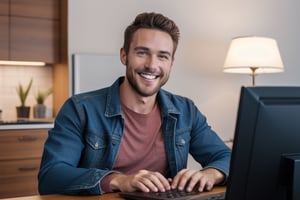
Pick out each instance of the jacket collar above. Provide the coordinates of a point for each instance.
(113, 103)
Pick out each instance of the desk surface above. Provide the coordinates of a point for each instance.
(108, 196)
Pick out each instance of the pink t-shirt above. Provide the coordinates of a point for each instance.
(142, 145)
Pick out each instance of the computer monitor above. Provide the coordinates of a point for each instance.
(265, 161)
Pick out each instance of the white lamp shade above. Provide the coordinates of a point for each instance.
(253, 52)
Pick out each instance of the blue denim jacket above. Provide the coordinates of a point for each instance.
(82, 147)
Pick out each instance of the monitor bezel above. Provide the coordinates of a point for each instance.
(251, 104)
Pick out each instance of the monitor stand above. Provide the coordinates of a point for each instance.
(292, 172)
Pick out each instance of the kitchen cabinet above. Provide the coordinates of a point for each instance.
(4, 34)
(4, 6)
(34, 39)
(4, 45)
(46, 9)
(31, 31)
(20, 157)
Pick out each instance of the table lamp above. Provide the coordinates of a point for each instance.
(253, 55)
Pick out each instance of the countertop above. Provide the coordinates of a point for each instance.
(26, 124)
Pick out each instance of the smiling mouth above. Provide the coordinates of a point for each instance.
(148, 76)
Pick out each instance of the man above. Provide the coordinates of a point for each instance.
(133, 135)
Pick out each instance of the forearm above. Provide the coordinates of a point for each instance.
(64, 179)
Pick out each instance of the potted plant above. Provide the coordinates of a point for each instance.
(39, 110)
(23, 111)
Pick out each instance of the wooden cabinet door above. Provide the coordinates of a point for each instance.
(30, 30)
(48, 9)
(22, 144)
(4, 7)
(4, 29)
(19, 178)
(4, 37)
(20, 157)
(34, 39)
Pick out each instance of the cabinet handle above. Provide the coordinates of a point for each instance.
(27, 138)
(29, 168)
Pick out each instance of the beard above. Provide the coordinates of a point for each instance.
(143, 90)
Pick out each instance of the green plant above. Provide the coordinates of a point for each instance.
(41, 96)
(23, 93)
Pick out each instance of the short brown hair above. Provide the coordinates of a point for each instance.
(152, 21)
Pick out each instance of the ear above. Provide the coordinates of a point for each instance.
(123, 56)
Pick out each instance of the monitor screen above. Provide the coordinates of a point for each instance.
(267, 130)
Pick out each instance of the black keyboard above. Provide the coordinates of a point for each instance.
(173, 194)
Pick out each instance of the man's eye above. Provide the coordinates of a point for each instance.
(163, 57)
(141, 53)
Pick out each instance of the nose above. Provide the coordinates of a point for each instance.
(152, 62)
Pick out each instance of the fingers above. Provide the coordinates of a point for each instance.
(181, 179)
(209, 178)
(205, 182)
(148, 181)
(188, 179)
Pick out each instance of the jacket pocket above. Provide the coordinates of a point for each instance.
(95, 142)
(95, 149)
(182, 142)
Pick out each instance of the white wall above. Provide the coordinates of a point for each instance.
(207, 26)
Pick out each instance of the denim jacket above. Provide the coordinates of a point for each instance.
(82, 147)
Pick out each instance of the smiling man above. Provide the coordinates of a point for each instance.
(134, 135)
(149, 60)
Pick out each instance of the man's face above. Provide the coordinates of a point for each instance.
(149, 61)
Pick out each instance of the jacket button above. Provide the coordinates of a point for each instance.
(96, 145)
(182, 141)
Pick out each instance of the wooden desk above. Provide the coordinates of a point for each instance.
(108, 196)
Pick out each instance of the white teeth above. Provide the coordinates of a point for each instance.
(147, 76)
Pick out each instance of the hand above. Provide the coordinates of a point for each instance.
(143, 180)
(206, 179)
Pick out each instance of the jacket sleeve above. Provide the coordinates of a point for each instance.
(207, 147)
(60, 171)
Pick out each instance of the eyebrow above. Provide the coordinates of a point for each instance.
(147, 49)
